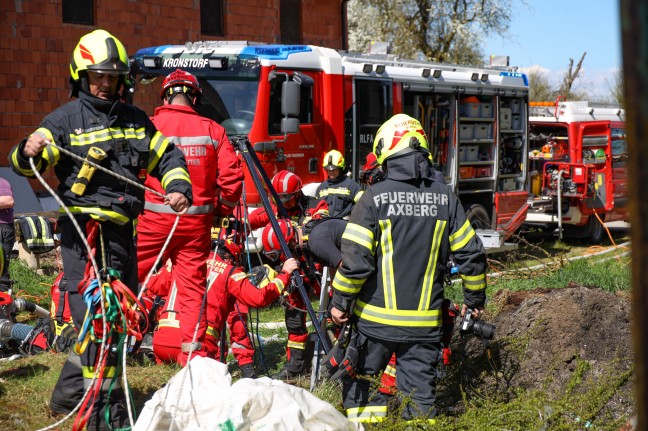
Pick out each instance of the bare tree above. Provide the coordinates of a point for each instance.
(570, 77)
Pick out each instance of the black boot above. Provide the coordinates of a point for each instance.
(247, 371)
(69, 390)
(295, 365)
(118, 419)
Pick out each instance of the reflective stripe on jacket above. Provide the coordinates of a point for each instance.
(394, 255)
(133, 145)
(214, 168)
(339, 196)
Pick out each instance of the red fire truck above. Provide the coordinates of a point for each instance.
(577, 163)
(296, 102)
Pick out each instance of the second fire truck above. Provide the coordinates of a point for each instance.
(577, 165)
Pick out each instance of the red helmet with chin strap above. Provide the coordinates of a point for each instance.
(178, 82)
(269, 236)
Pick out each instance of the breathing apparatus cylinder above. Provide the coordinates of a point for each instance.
(95, 155)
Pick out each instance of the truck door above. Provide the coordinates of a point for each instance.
(373, 106)
(595, 141)
(619, 167)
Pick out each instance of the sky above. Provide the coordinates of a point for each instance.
(547, 33)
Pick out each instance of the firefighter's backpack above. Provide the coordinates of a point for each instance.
(37, 232)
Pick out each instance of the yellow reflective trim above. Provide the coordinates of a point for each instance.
(108, 372)
(45, 133)
(367, 414)
(52, 155)
(474, 282)
(25, 172)
(359, 235)
(405, 318)
(85, 139)
(100, 214)
(279, 285)
(387, 264)
(461, 237)
(211, 331)
(296, 345)
(334, 191)
(390, 370)
(428, 279)
(347, 285)
(106, 134)
(175, 174)
(157, 147)
(358, 196)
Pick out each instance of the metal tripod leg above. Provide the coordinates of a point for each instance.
(318, 351)
(256, 170)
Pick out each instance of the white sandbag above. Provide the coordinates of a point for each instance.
(207, 400)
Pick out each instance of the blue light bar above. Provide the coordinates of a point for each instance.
(516, 75)
(274, 52)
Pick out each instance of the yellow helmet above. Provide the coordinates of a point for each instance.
(99, 51)
(401, 134)
(333, 160)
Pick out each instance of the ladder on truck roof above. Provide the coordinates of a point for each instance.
(578, 110)
(395, 61)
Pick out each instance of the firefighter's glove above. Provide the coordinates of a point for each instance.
(290, 266)
(342, 365)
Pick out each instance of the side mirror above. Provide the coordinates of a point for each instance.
(290, 99)
(264, 146)
(289, 125)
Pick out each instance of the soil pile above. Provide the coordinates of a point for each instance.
(545, 340)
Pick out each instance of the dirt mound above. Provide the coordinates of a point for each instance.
(562, 326)
(548, 340)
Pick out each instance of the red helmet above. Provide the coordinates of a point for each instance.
(286, 182)
(180, 82)
(225, 245)
(370, 162)
(269, 238)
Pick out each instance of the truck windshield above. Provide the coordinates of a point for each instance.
(232, 103)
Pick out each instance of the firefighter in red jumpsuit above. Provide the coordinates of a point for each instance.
(299, 207)
(227, 283)
(216, 176)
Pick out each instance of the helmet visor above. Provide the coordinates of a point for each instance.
(285, 197)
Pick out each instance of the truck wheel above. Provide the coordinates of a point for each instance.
(478, 216)
(595, 230)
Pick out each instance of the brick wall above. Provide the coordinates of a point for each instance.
(36, 47)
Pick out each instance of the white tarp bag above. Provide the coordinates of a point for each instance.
(202, 397)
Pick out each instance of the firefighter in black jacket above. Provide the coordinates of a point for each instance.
(339, 191)
(394, 252)
(122, 139)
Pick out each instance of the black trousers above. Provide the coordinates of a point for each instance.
(415, 377)
(8, 238)
(120, 255)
